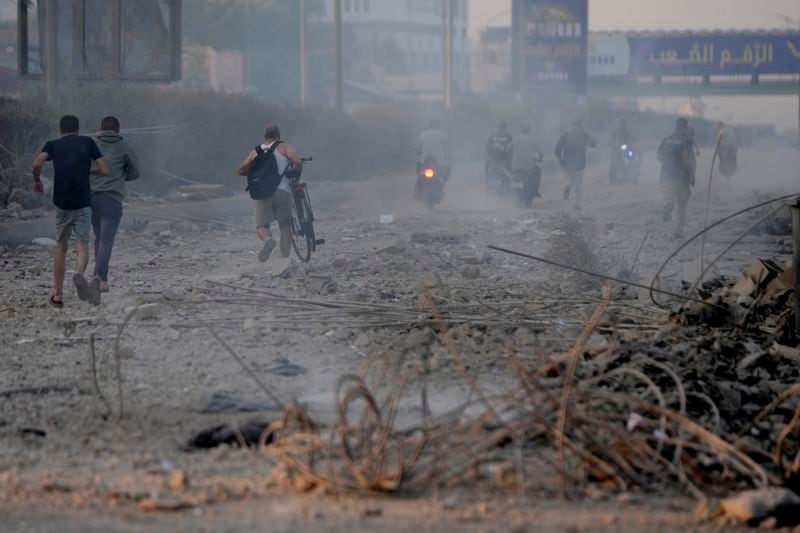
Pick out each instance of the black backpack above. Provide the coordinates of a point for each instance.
(264, 178)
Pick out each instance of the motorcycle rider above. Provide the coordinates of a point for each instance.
(619, 136)
(432, 147)
(571, 154)
(525, 160)
(678, 165)
(497, 150)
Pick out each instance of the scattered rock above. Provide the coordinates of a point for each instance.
(44, 241)
(14, 208)
(19, 197)
(340, 262)
(178, 481)
(172, 334)
(362, 340)
(156, 227)
(753, 506)
(419, 338)
(248, 324)
(396, 248)
(164, 504)
(27, 214)
(471, 272)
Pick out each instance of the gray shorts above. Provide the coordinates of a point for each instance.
(77, 220)
(276, 208)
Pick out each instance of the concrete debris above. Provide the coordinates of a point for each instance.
(471, 272)
(362, 340)
(44, 241)
(247, 434)
(754, 506)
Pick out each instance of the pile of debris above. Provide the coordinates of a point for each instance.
(710, 403)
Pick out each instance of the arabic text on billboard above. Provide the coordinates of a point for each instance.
(551, 43)
(741, 54)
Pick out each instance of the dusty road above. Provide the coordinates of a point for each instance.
(62, 462)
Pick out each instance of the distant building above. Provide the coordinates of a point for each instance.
(209, 68)
(491, 61)
(396, 47)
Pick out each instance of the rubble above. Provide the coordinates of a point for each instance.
(752, 507)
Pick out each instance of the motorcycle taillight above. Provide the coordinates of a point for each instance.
(429, 173)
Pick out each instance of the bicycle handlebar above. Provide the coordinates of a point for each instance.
(306, 159)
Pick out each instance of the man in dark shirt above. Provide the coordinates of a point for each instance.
(678, 165)
(571, 155)
(72, 157)
(498, 152)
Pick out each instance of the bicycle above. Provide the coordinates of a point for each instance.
(304, 240)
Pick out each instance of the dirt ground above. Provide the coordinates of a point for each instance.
(64, 466)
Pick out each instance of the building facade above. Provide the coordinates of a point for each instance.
(396, 47)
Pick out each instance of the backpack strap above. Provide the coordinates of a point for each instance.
(269, 151)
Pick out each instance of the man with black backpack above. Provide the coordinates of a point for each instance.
(265, 168)
(678, 165)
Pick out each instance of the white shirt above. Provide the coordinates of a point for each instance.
(283, 164)
(433, 145)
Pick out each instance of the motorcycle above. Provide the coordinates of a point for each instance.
(431, 178)
(626, 166)
(728, 160)
(498, 177)
(525, 184)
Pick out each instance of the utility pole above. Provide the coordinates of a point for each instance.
(337, 8)
(51, 51)
(303, 59)
(447, 59)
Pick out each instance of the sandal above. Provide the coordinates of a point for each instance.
(57, 304)
(86, 291)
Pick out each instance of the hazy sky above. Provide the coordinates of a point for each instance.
(662, 14)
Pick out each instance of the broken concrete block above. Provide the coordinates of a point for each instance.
(44, 241)
(362, 340)
(471, 272)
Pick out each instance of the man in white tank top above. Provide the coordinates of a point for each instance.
(278, 207)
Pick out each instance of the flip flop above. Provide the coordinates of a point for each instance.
(269, 245)
(54, 303)
(86, 292)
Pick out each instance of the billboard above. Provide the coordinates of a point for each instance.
(549, 44)
(695, 54)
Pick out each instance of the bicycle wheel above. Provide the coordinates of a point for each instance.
(299, 230)
(308, 225)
